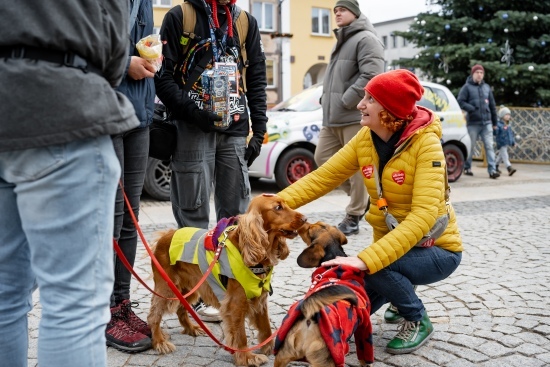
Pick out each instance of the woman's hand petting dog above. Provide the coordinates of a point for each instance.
(349, 261)
(258, 241)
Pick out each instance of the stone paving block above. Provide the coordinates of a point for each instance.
(530, 350)
(466, 341)
(494, 349)
(514, 361)
(534, 338)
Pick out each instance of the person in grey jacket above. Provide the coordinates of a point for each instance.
(476, 98)
(356, 58)
(59, 65)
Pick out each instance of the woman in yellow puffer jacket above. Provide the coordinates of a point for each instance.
(401, 157)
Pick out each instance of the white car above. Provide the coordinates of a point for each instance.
(294, 126)
(293, 132)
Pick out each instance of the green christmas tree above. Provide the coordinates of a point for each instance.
(511, 39)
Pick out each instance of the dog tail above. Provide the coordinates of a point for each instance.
(327, 296)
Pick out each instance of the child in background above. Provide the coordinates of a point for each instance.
(504, 138)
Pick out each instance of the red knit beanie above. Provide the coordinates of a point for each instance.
(477, 67)
(397, 91)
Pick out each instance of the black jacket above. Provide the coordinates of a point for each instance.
(170, 82)
(478, 101)
(140, 92)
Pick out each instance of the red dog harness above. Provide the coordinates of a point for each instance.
(340, 320)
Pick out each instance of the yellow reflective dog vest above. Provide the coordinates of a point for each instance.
(194, 246)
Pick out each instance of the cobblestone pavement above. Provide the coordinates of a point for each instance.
(493, 311)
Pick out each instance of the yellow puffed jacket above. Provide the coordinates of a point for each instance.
(413, 184)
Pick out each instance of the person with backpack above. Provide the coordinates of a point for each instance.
(212, 153)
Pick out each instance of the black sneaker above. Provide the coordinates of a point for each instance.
(498, 171)
(121, 336)
(494, 175)
(468, 172)
(350, 224)
(511, 171)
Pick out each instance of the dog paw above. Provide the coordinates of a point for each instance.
(268, 348)
(164, 347)
(251, 360)
(194, 330)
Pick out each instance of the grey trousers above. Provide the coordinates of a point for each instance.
(331, 139)
(202, 162)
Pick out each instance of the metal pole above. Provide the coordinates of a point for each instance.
(280, 52)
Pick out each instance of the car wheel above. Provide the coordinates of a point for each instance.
(293, 165)
(157, 179)
(455, 161)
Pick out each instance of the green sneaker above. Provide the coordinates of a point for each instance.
(411, 336)
(392, 316)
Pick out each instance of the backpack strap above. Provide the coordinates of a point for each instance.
(189, 19)
(241, 23)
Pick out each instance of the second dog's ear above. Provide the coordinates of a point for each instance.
(311, 256)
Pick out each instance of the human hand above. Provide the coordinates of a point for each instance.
(140, 68)
(353, 261)
(204, 120)
(254, 148)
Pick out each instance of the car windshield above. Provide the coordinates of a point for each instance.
(307, 100)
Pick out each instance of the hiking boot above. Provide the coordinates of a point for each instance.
(468, 172)
(392, 316)
(122, 337)
(498, 171)
(411, 336)
(132, 319)
(494, 175)
(511, 171)
(207, 313)
(350, 224)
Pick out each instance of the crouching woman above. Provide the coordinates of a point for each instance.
(416, 238)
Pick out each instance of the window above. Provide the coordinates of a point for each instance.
(320, 21)
(394, 41)
(405, 43)
(385, 41)
(163, 3)
(264, 14)
(435, 99)
(270, 71)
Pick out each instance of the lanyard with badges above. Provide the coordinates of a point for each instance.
(428, 240)
(214, 41)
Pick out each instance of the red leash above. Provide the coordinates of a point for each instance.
(173, 287)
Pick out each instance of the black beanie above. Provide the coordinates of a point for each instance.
(351, 5)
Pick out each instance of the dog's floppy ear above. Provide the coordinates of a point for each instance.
(311, 256)
(303, 231)
(253, 240)
(342, 238)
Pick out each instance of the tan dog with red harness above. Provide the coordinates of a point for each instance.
(317, 329)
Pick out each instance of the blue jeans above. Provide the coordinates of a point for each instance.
(200, 161)
(486, 133)
(132, 150)
(56, 227)
(395, 282)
